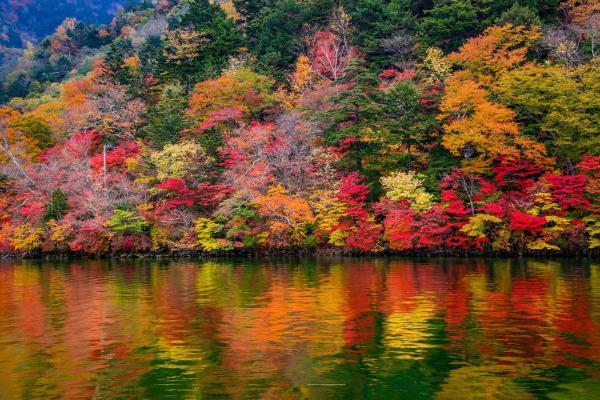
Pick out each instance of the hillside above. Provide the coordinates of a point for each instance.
(26, 20)
(358, 126)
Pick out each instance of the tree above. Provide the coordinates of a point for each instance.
(167, 119)
(519, 14)
(239, 89)
(204, 38)
(477, 128)
(557, 106)
(185, 159)
(407, 186)
(375, 21)
(57, 205)
(449, 22)
(251, 9)
(354, 109)
(288, 218)
(405, 117)
(275, 35)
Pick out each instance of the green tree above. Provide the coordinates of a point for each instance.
(401, 110)
(57, 205)
(519, 15)
(449, 23)
(167, 118)
(376, 20)
(220, 40)
(558, 106)
(276, 35)
(124, 221)
(356, 109)
(35, 128)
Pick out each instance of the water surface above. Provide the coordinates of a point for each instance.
(300, 329)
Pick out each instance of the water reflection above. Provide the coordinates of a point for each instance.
(287, 329)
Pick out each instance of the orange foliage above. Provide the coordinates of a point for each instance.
(287, 216)
(498, 49)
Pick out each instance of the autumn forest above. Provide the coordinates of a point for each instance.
(266, 126)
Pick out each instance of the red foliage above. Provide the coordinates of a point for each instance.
(343, 149)
(432, 229)
(331, 55)
(91, 238)
(399, 229)
(590, 166)
(526, 222)
(84, 144)
(116, 157)
(210, 195)
(568, 191)
(391, 76)
(353, 191)
(184, 195)
(228, 114)
(364, 236)
(511, 174)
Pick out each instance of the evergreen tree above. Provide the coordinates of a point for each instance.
(57, 205)
(449, 23)
(217, 40)
(167, 118)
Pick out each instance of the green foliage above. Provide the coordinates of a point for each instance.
(167, 119)
(57, 205)
(277, 33)
(449, 22)
(125, 221)
(375, 20)
(206, 232)
(404, 117)
(35, 128)
(251, 9)
(118, 52)
(560, 107)
(519, 15)
(222, 41)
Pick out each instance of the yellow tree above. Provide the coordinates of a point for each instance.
(477, 128)
(238, 89)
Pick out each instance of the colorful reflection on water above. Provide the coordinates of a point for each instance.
(300, 329)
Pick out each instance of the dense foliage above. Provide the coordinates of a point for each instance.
(365, 126)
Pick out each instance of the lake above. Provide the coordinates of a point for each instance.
(315, 328)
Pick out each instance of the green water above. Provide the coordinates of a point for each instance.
(300, 329)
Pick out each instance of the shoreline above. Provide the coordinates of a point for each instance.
(294, 253)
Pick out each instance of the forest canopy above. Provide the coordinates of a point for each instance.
(447, 126)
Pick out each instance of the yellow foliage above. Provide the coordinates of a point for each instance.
(159, 237)
(329, 211)
(476, 227)
(205, 231)
(408, 186)
(437, 65)
(27, 238)
(58, 232)
(593, 230)
(183, 45)
(338, 237)
(302, 75)
(540, 244)
(178, 159)
(498, 49)
(480, 130)
(239, 88)
(132, 63)
(502, 241)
